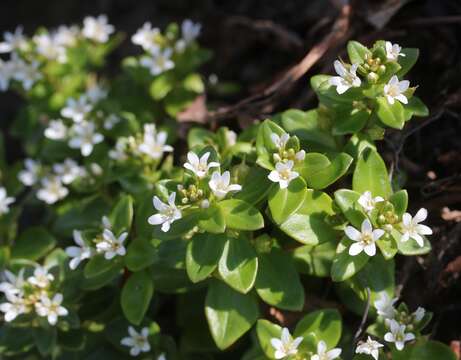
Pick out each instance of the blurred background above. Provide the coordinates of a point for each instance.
(255, 41)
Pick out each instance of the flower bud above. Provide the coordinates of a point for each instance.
(381, 69)
(372, 77)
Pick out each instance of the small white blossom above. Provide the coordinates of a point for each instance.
(68, 171)
(6, 73)
(26, 74)
(48, 47)
(67, 36)
(76, 109)
(323, 354)
(283, 174)
(365, 240)
(419, 314)
(41, 277)
(167, 213)
(411, 227)
(190, 30)
(346, 78)
(51, 308)
(13, 284)
(111, 245)
(146, 37)
(300, 155)
(13, 41)
(119, 152)
(97, 29)
(111, 121)
(369, 347)
(56, 130)
(84, 137)
(13, 308)
(5, 201)
(138, 342)
(368, 202)
(393, 51)
(394, 90)
(385, 305)
(30, 175)
(220, 184)
(158, 61)
(52, 190)
(96, 169)
(153, 143)
(161, 357)
(106, 224)
(397, 334)
(80, 252)
(280, 141)
(200, 166)
(95, 93)
(231, 138)
(286, 345)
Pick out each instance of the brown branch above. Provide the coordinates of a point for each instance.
(256, 102)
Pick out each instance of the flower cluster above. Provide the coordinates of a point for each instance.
(36, 293)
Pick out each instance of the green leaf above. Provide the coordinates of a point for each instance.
(284, 202)
(328, 95)
(140, 254)
(390, 115)
(411, 247)
(121, 216)
(347, 202)
(136, 296)
(230, 314)
(33, 243)
(238, 264)
(350, 121)
(45, 339)
(281, 289)
(371, 175)
(98, 265)
(265, 330)
(425, 350)
(319, 171)
(203, 254)
(255, 186)
(357, 52)
(326, 325)
(407, 61)
(212, 220)
(193, 82)
(344, 265)
(400, 201)
(388, 246)
(416, 107)
(240, 215)
(315, 260)
(161, 85)
(264, 144)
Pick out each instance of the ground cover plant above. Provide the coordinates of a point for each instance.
(113, 213)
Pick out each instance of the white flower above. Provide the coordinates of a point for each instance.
(323, 354)
(56, 130)
(84, 137)
(364, 239)
(95, 93)
(397, 334)
(51, 308)
(231, 138)
(68, 171)
(286, 345)
(300, 155)
(158, 62)
(27, 74)
(393, 51)
(5, 201)
(190, 30)
(346, 78)
(161, 357)
(52, 190)
(97, 29)
(66, 36)
(146, 37)
(368, 202)
(41, 277)
(48, 47)
(111, 245)
(283, 174)
(76, 109)
(80, 252)
(167, 213)
(138, 342)
(30, 175)
(394, 90)
(411, 227)
(13, 284)
(280, 141)
(6, 74)
(106, 224)
(369, 347)
(200, 166)
(14, 307)
(111, 121)
(385, 305)
(419, 314)
(119, 152)
(220, 184)
(153, 143)
(96, 169)
(13, 41)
